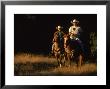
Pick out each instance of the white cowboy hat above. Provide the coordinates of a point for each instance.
(75, 21)
(59, 27)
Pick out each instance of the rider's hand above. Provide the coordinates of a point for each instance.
(77, 39)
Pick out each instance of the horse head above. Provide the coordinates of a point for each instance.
(56, 38)
(66, 39)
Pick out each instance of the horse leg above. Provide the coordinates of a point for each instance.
(80, 60)
(56, 56)
(59, 62)
(64, 58)
(69, 62)
(69, 59)
(60, 59)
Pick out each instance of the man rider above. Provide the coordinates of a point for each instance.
(60, 35)
(74, 32)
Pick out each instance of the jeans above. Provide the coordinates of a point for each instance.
(79, 43)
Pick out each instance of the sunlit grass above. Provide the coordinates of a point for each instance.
(33, 65)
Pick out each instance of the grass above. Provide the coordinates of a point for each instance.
(35, 65)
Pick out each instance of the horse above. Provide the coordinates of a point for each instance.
(57, 49)
(72, 51)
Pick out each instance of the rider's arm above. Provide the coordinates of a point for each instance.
(53, 40)
(70, 31)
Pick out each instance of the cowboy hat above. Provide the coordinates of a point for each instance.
(59, 27)
(75, 21)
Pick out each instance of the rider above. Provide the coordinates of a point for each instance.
(74, 32)
(60, 35)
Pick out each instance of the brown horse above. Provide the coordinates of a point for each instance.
(57, 49)
(72, 51)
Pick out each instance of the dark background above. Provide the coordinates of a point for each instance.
(34, 32)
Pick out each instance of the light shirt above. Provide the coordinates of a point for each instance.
(74, 32)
